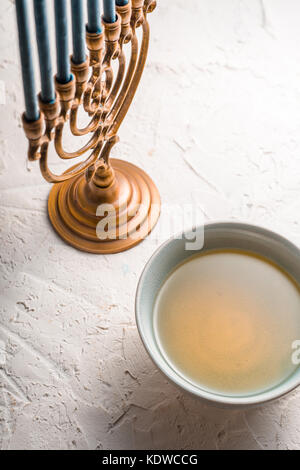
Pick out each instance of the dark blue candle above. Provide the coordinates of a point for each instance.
(62, 46)
(31, 104)
(94, 16)
(109, 11)
(78, 32)
(42, 35)
(121, 3)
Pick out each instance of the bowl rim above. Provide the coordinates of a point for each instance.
(179, 380)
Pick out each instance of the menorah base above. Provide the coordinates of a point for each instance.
(109, 219)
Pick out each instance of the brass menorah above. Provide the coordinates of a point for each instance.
(100, 205)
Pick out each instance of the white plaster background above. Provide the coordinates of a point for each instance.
(217, 113)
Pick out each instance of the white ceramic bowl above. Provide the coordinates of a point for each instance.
(216, 236)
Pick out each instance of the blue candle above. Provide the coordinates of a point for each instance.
(109, 11)
(62, 47)
(42, 35)
(78, 32)
(121, 3)
(94, 16)
(31, 104)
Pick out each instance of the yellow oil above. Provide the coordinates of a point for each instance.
(226, 321)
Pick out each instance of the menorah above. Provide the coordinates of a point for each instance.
(99, 205)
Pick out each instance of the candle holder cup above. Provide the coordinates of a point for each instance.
(100, 205)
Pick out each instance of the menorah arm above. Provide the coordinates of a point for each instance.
(118, 81)
(99, 95)
(91, 126)
(138, 17)
(130, 73)
(71, 172)
(68, 155)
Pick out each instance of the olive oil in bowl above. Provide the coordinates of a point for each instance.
(226, 320)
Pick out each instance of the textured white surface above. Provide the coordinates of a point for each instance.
(217, 114)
